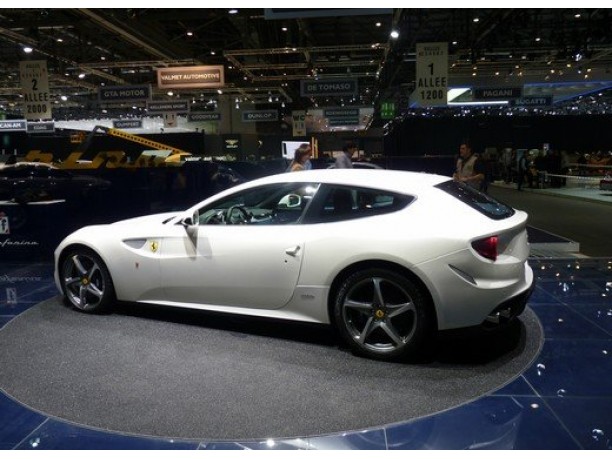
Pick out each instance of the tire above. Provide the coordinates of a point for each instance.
(86, 282)
(383, 315)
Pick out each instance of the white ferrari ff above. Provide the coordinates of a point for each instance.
(386, 257)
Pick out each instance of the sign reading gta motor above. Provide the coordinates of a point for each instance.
(431, 74)
(34, 81)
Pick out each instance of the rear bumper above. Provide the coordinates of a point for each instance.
(509, 309)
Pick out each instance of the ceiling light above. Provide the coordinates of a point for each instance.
(233, 11)
(476, 19)
(27, 49)
(189, 33)
(102, 58)
(378, 24)
(219, 91)
(212, 53)
(170, 93)
(284, 29)
(538, 39)
(60, 40)
(454, 43)
(394, 34)
(577, 15)
(81, 75)
(64, 98)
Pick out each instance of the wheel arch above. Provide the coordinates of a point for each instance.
(79, 245)
(383, 264)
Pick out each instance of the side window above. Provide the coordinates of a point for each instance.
(278, 204)
(337, 203)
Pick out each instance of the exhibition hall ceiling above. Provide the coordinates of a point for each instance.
(266, 53)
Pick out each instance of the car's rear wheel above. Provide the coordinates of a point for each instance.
(86, 282)
(383, 315)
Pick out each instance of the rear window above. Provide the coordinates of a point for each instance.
(483, 203)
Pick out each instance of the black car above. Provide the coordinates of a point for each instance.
(33, 182)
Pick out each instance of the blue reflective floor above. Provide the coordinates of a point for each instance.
(563, 401)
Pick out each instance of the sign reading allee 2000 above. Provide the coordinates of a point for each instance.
(34, 81)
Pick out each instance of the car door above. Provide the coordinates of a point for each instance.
(254, 263)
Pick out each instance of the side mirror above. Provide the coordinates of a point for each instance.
(187, 222)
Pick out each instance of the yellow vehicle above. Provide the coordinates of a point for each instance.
(175, 157)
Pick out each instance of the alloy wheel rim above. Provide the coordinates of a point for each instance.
(83, 282)
(379, 314)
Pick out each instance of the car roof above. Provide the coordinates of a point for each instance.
(392, 180)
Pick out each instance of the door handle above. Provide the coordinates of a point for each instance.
(293, 251)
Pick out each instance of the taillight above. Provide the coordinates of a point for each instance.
(486, 247)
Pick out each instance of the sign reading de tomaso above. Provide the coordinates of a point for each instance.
(34, 81)
(204, 76)
(345, 87)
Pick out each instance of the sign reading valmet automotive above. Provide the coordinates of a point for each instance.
(346, 87)
(46, 127)
(252, 116)
(204, 76)
(13, 125)
(124, 93)
(175, 106)
(127, 124)
(34, 81)
(503, 93)
(431, 88)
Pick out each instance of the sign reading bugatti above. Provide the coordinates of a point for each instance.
(204, 76)
(178, 106)
(127, 124)
(431, 74)
(346, 87)
(124, 93)
(252, 116)
(13, 125)
(533, 101)
(34, 81)
(503, 93)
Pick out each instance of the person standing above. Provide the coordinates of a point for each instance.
(469, 168)
(301, 158)
(344, 160)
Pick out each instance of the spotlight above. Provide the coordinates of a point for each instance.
(394, 34)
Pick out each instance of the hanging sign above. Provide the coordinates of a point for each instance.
(47, 127)
(127, 124)
(346, 87)
(34, 81)
(179, 106)
(503, 93)
(124, 93)
(203, 76)
(299, 123)
(431, 74)
(204, 116)
(13, 125)
(252, 116)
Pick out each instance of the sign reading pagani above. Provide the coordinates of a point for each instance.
(206, 76)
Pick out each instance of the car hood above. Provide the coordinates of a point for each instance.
(155, 219)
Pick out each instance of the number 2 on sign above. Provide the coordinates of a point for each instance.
(34, 84)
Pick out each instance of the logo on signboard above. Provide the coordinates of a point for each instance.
(4, 224)
(203, 76)
(231, 144)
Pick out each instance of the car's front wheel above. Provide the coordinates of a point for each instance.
(383, 315)
(86, 282)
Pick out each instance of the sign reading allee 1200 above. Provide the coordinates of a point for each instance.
(431, 74)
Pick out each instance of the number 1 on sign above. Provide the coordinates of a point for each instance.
(430, 68)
